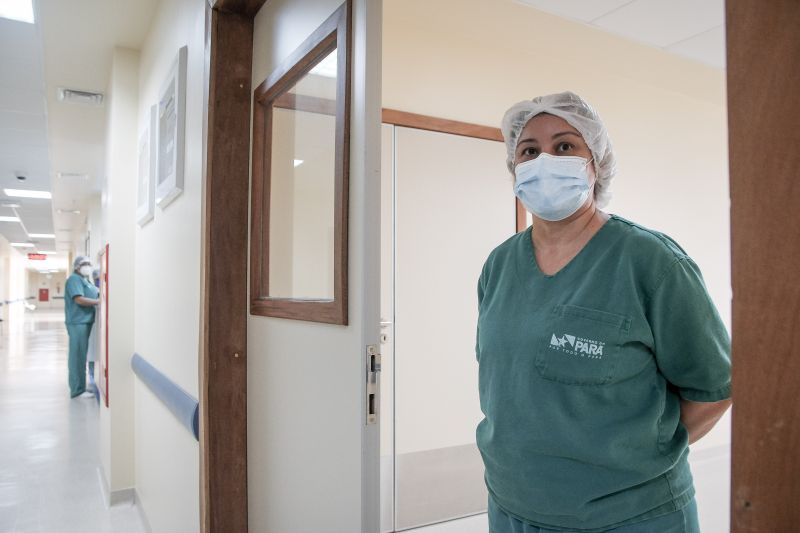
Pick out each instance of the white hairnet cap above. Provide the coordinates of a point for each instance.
(79, 261)
(578, 114)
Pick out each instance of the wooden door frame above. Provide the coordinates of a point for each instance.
(763, 110)
(223, 344)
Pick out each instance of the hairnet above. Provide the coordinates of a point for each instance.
(578, 114)
(80, 259)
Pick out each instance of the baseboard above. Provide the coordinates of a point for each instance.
(112, 498)
(142, 514)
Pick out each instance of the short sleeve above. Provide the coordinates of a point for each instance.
(481, 289)
(691, 344)
(73, 287)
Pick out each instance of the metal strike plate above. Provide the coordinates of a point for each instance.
(373, 367)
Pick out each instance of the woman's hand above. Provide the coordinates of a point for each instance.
(700, 417)
(87, 302)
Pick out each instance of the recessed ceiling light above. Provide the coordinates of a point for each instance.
(42, 235)
(48, 252)
(24, 193)
(22, 244)
(72, 175)
(69, 211)
(9, 219)
(21, 10)
(298, 162)
(79, 97)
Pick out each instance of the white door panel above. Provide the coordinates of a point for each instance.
(312, 460)
(454, 203)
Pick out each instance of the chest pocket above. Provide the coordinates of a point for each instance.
(582, 346)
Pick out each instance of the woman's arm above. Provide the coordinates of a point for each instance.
(82, 300)
(700, 417)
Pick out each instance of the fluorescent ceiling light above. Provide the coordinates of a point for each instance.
(24, 193)
(22, 244)
(21, 10)
(298, 162)
(9, 204)
(48, 253)
(9, 219)
(69, 212)
(42, 235)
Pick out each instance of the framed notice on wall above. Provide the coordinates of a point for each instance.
(101, 321)
(170, 123)
(146, 194)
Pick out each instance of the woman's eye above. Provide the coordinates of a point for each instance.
(564, 147)
(530, 152)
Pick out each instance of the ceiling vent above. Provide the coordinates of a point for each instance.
(73, 175)
(79, 97)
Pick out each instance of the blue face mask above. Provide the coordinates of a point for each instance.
(553, 187)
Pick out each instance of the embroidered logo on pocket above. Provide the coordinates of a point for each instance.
(573, 345)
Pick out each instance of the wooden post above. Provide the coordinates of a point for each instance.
(223, 354)
(763, 118)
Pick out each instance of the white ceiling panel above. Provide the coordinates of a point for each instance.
(22, 121)
(20, 74)
(23, 138)
(708, 47)
(21, 100)
(582, 10)
(663, 23)
(19, 40)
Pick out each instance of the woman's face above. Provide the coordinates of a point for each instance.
(551, 135)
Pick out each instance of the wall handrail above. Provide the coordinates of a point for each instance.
(183, 405)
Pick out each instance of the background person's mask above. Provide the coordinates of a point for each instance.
(553, 187)
(85, 271)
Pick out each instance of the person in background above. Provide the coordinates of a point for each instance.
(80, 300)
(601, 355)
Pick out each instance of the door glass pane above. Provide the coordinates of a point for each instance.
(302, 188)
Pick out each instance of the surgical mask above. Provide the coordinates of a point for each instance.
(553, 187)
(85, 271)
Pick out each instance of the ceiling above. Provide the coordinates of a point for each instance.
(69, 45)
(694, 29)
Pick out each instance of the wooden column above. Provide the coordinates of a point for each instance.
(764, 134)
(223, 355)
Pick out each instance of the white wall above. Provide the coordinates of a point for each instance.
(13, 284)
(116, 421)
(53, 282)
(167, 279)
(666, 116)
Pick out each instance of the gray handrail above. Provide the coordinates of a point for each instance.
(183, 405)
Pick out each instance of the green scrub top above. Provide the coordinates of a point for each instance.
(581, 375)
(75, 313)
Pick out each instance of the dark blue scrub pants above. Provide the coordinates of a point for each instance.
(681, 521)
(76, 360)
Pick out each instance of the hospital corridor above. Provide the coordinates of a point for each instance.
(49, 443)
(384, 266)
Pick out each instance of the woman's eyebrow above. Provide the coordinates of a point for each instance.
(561, 134)
(526, 140)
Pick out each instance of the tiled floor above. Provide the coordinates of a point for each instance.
(48, 443)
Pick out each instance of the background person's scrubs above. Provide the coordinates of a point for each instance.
(79, 321)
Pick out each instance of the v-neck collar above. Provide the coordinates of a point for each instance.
(530, 266)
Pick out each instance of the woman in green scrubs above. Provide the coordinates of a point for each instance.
(601, 355)
(80, 299)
